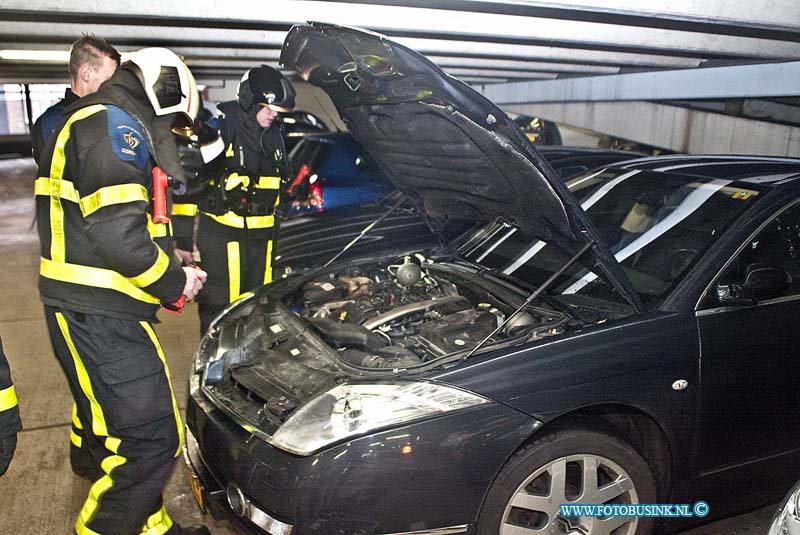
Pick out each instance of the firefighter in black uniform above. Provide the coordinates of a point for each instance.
(92, 61)
(106, 267)
(237, 228)
(10, 423)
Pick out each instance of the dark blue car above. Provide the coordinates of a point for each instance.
(625, 338)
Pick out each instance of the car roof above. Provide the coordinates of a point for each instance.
(765, 170)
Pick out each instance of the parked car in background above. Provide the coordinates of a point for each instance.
(548, 352)
(335, 173)
(310, 237)
(298, 124)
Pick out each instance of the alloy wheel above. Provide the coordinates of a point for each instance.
(534, 506)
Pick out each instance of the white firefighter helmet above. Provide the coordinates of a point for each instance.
(167, 81)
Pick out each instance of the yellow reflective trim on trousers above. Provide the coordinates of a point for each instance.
(64, 189)
(75, 439)
(95, 277)
(269, 182)
(230, 219)
(8, 398)
(154, 272)
(268, 264)
(110, 195)
(234, 271)
(75, 420)
(96, 492)
(153, 338)
(57, 245)
(184, 209)
(98, 420)
(112, 444)
(158, 523)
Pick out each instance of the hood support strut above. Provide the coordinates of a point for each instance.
(531, 298)
(366, 229)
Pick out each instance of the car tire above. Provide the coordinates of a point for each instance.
(529, 489)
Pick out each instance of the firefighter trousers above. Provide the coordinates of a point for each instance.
(237, 261)
(120, 382)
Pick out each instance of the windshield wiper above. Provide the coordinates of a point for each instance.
(532, 297)
(366, 229)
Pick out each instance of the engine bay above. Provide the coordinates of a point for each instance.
(410, 312)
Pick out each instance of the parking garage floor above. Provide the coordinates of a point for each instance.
(39, 495)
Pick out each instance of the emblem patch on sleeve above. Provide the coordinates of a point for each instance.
(127, 137)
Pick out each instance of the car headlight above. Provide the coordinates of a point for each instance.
(349, 410)
(787, 519)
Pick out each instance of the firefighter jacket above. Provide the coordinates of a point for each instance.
(9, 411)
(100, 250)
(47, 123)
(253, 160)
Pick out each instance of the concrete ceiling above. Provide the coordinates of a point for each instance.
(483, 41)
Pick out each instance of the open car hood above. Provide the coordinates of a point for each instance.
(441, 142)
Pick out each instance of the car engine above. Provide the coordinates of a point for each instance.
(404, 314)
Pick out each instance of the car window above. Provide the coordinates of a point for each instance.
(777, 245)
(656, 224)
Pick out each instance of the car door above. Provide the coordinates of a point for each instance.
(749, 415)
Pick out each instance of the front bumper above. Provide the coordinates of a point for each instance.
(212, 497)
(429, 477)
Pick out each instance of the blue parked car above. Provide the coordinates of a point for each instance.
(333, 172)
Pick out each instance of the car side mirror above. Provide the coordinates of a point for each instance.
(761, 282)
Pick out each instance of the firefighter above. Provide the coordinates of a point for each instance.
(105, 269)
(10, 423)
(92, 61)
(235, 240)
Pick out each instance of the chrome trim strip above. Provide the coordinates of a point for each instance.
(723, 309)
(452, 530)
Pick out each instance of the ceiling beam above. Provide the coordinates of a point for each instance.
(742, 81)
(407, 22)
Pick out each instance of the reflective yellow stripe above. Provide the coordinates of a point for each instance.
(8, 398)
(158, 523)
(95, 277)
(268, 265)
(153, 338)
(112, 444)
(184, 209)
(110, 195)
(64, 189)
(269, 182)
(75, 420)
(75, 439)
(99, 488)
(235, 179)
(154, 272)
(230, 219)
(57, 246)
(229, 151)
(98, 420)
(234, 271)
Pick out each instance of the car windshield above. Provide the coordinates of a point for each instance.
(656, 224)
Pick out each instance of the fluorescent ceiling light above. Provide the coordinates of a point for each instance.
(60, 56)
